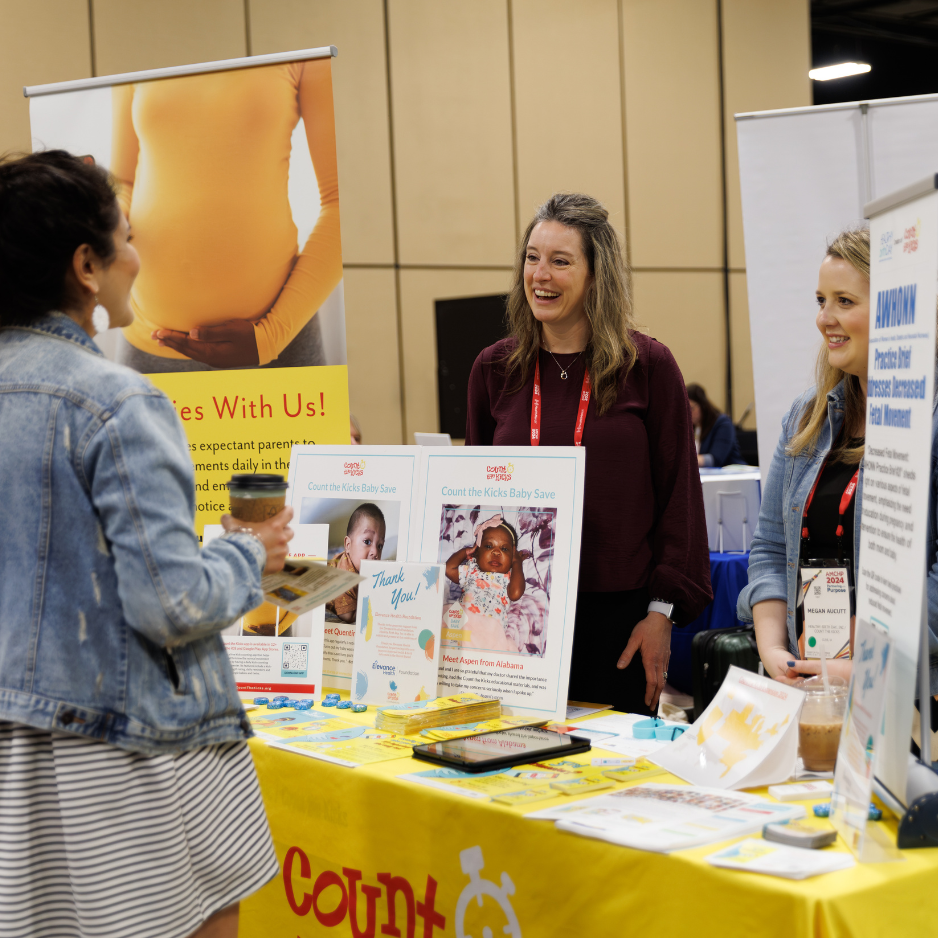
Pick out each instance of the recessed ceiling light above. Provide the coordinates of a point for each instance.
(838, 71)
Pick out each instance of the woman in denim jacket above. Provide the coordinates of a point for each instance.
(822, 435)
(128, 799)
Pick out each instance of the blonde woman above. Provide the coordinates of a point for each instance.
(575, 371)
(811, 503)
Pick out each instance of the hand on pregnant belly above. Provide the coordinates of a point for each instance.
(230, 344)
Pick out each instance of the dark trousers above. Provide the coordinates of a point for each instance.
(604, 623)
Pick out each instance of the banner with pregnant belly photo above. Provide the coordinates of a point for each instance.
(227, 174)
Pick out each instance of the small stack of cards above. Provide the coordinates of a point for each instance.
(444, 711)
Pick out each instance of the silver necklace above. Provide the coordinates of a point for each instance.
(563, 371)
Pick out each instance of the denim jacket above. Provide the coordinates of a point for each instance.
(776, 543)
(110, 613)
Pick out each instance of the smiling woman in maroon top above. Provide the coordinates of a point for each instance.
(644, 559)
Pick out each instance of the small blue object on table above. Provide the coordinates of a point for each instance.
(728, 575)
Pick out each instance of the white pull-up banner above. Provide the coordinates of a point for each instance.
(896, 480)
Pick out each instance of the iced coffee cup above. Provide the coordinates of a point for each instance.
(256, 496)
(822, 717)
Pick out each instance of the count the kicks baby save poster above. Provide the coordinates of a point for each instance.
(504, 523)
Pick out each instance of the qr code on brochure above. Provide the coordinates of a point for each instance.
(295, 660)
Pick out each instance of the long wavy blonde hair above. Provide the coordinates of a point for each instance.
(853, 246)
(608, 302)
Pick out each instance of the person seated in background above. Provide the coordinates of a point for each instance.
(714, 430)
(355, 431)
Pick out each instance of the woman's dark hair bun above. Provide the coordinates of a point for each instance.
(50, 204)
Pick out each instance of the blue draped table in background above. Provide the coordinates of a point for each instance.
(727, 577)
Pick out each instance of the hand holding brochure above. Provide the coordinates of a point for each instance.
(303, 585)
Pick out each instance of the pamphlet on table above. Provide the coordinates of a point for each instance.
(761, 856)
(363, 495)
(747, 736)
(397, 647)
(661, 818)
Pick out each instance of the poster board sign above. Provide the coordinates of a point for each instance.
(364, 496)
(397, 636)
(227, 173)
(272, 651)
(897, 464)
(501, 637)
(860, 741)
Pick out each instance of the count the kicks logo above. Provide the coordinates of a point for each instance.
(354, 468)
(910, 237)
(472, 862)
(500, 473)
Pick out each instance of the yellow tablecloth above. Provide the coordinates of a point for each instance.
(348, 837)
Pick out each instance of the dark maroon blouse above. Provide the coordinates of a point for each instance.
(643, 514)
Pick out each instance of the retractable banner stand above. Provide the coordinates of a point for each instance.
(900, 391)
(227, 174)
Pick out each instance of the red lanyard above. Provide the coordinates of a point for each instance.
(585, 392)
(845, 500)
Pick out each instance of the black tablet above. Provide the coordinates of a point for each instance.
(501, 749)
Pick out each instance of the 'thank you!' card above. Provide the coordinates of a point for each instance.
(397, 634)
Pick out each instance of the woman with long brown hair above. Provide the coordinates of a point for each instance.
(810, 514)
(575, 370)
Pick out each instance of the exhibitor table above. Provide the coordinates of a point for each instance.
(346, 838)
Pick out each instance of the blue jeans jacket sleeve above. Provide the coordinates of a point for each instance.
(140, 475)
(768, 573)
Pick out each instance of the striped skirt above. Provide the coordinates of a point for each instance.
(97, 841)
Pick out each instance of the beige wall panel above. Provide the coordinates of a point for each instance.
(452, 131)
(138, 34)
(40, 41)
(568, 111)
(685, 311)
(359, 77)
(766, 57)
(419, 290)
(743, 389)
(672, 113)
(374, 375)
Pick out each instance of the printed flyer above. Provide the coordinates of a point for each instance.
(747, 737)
(272, 650)
(363, 496)
(397, 647)
(505, 524)
(662, 818)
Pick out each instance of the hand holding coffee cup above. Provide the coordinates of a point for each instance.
(274, 534)
(257, 503)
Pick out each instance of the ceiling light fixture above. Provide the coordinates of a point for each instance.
(838, 71)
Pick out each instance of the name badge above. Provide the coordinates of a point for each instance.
(825, 600)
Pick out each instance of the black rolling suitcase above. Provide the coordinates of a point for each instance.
(712, 653)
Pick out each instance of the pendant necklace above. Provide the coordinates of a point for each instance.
(563, 371)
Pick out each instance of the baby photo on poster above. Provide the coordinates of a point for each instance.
(498, 562)
(358, 530)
